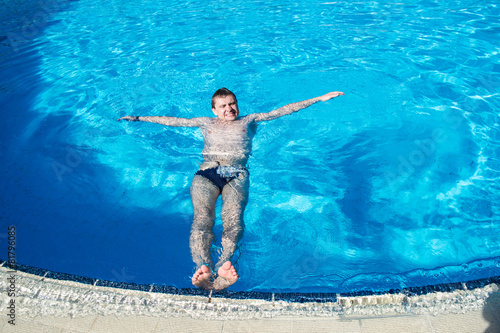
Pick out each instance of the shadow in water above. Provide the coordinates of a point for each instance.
(70, 214)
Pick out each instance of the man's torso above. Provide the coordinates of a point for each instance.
(228, 142)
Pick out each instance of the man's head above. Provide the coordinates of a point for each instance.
(225, 105)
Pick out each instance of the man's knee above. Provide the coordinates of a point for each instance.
(204, 214)
(201, 232)
(203, 222)
(232, 210)
(232, 220)
(232, 233)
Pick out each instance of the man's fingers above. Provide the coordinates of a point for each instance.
(331, 95)
(129, 118)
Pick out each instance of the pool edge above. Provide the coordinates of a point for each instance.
(43, 295)
(301, 297)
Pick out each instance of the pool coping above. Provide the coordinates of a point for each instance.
(297, 297)
(56, 305)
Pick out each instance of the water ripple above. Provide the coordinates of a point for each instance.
(398, 175)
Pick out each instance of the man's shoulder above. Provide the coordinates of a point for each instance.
(248, 118)
(203, 120)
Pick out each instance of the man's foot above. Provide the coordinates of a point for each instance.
(202, 278)
(227, 276)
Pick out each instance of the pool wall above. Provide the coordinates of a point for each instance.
(83, 296)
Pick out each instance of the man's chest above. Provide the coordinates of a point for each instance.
(230, 130)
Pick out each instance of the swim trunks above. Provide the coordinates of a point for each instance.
(222, 174)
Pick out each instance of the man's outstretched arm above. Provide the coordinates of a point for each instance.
(294, 107)
(168, 121)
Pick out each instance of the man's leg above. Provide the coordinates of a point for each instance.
(203, 196)
(234, 200)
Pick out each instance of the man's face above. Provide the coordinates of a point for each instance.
(226, 108)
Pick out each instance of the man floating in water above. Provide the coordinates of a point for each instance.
(228, 144)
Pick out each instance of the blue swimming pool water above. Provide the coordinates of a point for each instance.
(395, 184)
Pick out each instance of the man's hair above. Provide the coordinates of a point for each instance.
(222, 92)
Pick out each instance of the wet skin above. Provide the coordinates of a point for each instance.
(227, 142)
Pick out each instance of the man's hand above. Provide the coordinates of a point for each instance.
(129, 118)
(330, 95)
